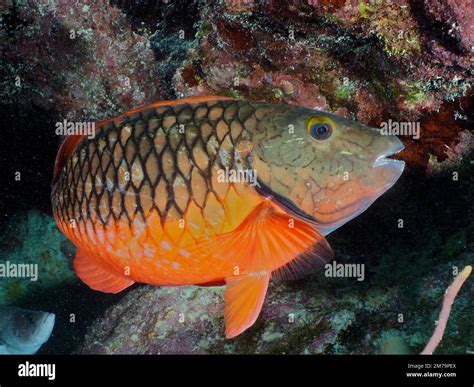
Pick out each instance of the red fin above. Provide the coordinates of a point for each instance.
(97, 278)
(305, 263)
(265, 241)
(244, 296)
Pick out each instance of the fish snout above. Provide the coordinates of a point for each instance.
(391, 145)
(386, 170)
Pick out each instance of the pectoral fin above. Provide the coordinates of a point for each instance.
(243, 297)
(266, 240)
(96, 277)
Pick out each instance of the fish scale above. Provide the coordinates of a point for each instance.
(152, 164)
(142, 168)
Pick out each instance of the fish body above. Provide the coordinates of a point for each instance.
(213, 190)
(23, 332)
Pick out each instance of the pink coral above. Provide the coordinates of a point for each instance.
(448, 301)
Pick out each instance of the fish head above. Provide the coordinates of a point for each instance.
(28, 330)
(324, 167)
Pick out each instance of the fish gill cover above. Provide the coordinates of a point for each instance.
(404, 68)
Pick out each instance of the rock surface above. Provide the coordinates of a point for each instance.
(78, 60)
(370, 61)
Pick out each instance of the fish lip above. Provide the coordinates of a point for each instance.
(383, 159)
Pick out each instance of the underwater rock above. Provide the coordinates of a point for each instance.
(37, 257)
(81, 60)
(379, 61)
(23, 332)
(400, 61)
(160, 320)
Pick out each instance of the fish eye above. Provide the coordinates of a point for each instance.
(319, 130)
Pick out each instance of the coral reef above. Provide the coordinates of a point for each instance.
(375, 60)
(77, 60)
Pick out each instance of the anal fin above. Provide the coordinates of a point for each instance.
(96, 277)
(243, 296)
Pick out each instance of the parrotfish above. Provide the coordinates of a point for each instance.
(215, 191)
(23, 332)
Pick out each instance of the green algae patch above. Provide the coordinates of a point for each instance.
(38, 242)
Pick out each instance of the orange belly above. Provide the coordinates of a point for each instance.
(168, 253)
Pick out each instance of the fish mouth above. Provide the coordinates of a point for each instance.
(384, 159)
(386, 170)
